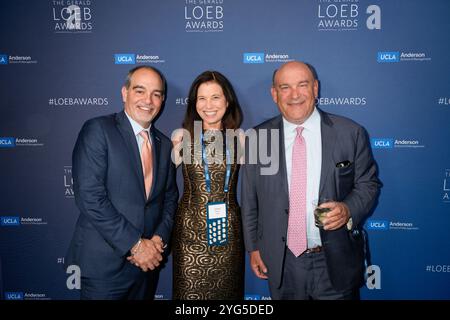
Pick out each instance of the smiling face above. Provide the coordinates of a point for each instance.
(211, 104)
(144, 96)
(294, 91)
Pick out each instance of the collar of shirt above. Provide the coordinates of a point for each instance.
(136, 129)
(312, 124)
(136, 126)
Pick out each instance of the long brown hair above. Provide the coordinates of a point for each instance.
(232, 118)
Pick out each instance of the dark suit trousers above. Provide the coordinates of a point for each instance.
(306, 278)
(132, 284)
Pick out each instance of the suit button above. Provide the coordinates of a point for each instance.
(286, 211)
(283, 239)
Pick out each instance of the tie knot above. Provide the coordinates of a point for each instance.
(299, 130)
(144, 135)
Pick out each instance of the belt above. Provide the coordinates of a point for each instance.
(314, 250)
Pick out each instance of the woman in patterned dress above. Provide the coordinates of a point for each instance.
(207, 266)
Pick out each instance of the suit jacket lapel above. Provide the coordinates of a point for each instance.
(328, 143)
(125, 129)
(278, 124)
(156, 152)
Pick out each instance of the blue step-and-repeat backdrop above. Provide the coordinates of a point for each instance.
(385, 64)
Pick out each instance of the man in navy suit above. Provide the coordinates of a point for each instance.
(122, 230)
(339, 166)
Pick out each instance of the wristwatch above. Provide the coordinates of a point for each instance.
(350, 224)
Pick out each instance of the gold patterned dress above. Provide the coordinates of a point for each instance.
(201, 271)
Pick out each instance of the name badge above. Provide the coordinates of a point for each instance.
(217, 223)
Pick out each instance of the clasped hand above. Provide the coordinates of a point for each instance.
(148, 255)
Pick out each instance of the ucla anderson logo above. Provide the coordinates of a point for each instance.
(391, 56)
(377, 225)
(252, 297)
(7, 142)
(3, 59)
(253, 57)
(9, 221)
(378, 143)
(125, 58)
(13, 295)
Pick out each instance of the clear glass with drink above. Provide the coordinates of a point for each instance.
(320, 212)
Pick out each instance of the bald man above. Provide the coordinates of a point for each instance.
(321, 156)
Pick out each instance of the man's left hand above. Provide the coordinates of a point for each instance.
(337, 217)
(150, 255)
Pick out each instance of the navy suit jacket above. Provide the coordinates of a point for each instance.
(265, 200)
(110, 194)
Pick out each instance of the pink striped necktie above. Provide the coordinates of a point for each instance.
(297, 197)
(147, 161)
